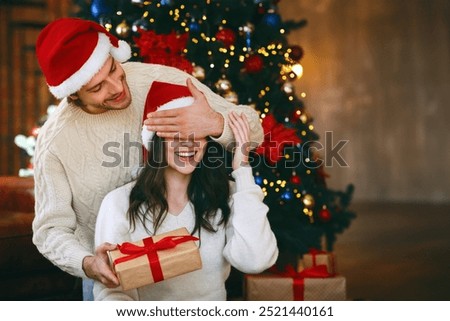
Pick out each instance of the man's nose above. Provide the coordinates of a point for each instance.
(116, 85)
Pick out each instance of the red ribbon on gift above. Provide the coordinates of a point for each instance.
(298, 285)
(314, 252)
(151, 249)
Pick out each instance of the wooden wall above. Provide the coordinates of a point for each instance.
(24, 96)
(377, 73)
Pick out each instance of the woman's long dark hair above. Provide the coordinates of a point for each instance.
(208, 189)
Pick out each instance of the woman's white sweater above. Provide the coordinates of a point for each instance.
(246, 242)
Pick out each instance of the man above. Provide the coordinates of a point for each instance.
(91, 143)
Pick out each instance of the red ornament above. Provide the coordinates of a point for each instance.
(261, 10)
(227, 36)
(254, 64)
(276, 137)
(296, 53)
(296, 179)
(325, 215)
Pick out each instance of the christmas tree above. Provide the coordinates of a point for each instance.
(239, 48)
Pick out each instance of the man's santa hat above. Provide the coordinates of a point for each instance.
(71, 51)
(163, 96)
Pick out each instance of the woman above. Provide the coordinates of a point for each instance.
(185, 184)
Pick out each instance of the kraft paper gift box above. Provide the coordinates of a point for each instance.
(155, 259)
(316, 257)
(276, 287)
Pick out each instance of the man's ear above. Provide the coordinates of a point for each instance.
(74, 97)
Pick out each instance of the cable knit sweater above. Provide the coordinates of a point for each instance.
(246, 242)
(80, 157)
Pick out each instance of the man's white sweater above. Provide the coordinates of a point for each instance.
(80, 157)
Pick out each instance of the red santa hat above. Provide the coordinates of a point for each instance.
(163, 96)
(71, 51)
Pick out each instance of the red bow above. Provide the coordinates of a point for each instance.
(298, 285)
(313, 252)
(150, 249)
(276, 137)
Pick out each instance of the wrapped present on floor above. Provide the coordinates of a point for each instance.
(312, 284)
(317, 257)
(155, 259)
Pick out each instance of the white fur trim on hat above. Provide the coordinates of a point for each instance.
(122, 53)
(90, 68)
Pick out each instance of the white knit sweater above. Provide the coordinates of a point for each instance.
(247, 243)
(80, 157)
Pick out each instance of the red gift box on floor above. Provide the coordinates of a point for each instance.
(309, 285)
(317, 257)
(155, 259)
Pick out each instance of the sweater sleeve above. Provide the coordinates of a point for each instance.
(251, 246)
(54, 224)
(113, 227)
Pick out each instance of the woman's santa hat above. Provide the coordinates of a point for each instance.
(71, 51)
(164, 96)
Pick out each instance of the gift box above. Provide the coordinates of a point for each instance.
(316, 257)
(294, 286)
(155, 259)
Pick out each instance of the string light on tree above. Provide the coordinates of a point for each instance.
(223, 85)
(247, 31)
(308, 201)
(106, 22)
(123, 30)
(138, 2)
(288, 88)
(297, 69)
(140, 24)
(199, 73)
(231, 96)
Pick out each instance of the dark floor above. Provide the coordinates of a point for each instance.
(396, 252)
(392, 252)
